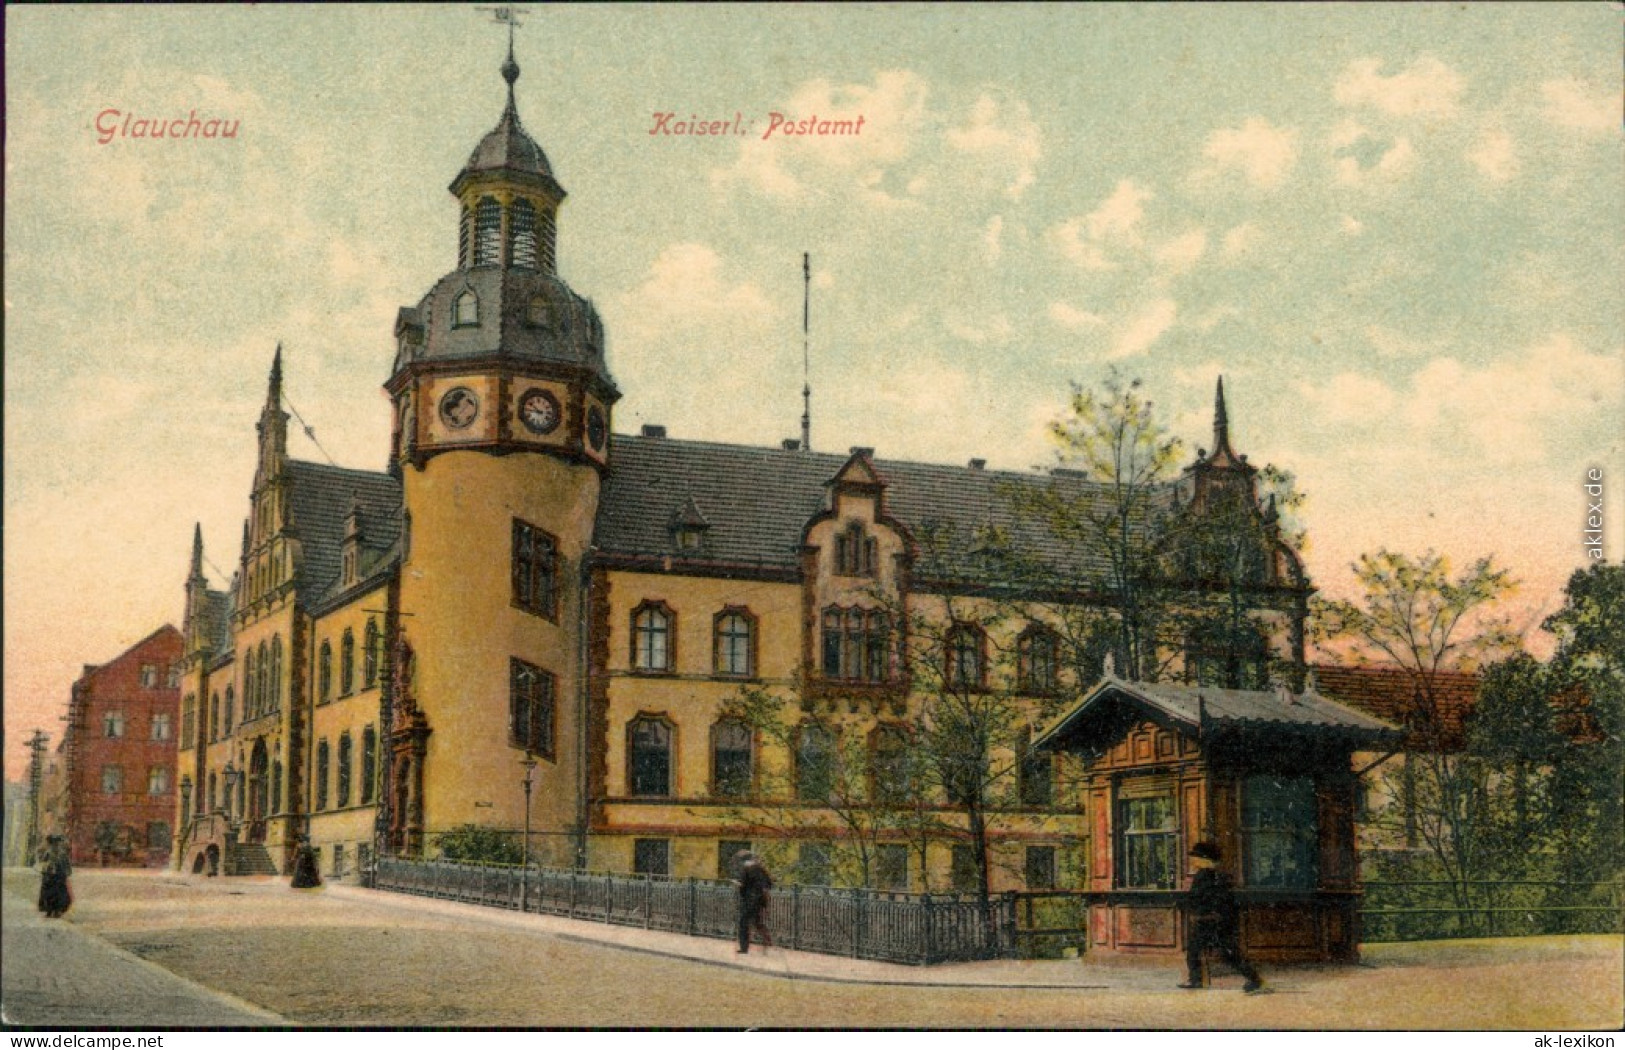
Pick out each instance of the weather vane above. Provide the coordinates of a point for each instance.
(508, 16)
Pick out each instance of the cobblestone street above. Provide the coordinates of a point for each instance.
(342, 956)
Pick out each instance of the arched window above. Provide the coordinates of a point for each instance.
(856, 645)
(465, 238)
(345, 756)
(323, 763)
(1036, 659)
(262, 680)
(214, 717)
(347, 663)
(231, 704)
(487, 232)
(649, 757)
(815, 762)
(369, 655)
(966, 660)
(730, 759)
(324, 673)
(735, 643)
(369, 762)
(652, 638)
(248, 686)
(274, 701)
(522, 251)
(465, 310)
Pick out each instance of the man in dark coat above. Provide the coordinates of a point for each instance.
(754, 883)
(1213, 921)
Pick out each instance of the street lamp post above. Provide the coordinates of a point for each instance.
(529, 764)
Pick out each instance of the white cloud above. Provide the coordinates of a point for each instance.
(1265, 154)
(993, 329)
(1183, 252)
(1240, 240)
(1571, 104)
(1144, 329)
(686, 291)
(1070, 317)
(1429, 88)
(1003, 134)
(1115, 223)
(1348, 398)
(1495, 155)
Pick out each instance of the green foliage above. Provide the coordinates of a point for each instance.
(475, 844)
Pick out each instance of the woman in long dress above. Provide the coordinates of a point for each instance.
(54, 897)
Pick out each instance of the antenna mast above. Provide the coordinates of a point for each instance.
(806, 382)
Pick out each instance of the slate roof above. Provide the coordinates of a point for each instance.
(320, 499)
(1391, 693)
(756, 502)
(216, 614)
(1194, 706)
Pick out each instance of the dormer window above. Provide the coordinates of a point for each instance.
(487, 232)
(539, 314)
(465, 310)
(854, 552)
(522, 247)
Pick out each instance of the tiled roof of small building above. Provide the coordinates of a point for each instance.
(757, 501)
(320, 499)
(1395, 694)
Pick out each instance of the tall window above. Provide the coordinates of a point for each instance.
(214, 793)
(531, 708)
(1036, 773)
(891, 867)
(262, 682)
(1278, 820)
(856, 645)
(1036, 653)
(347, 663)
(854, 552)
(651, 857)
(113, 725)
(186, 801)
(158, 780)
(344, 769)
(487, 232)
(1040, 867)
(734, 643)
(730, 759)
(324, 673)
(649, 755)
(548, 237)
(174, 680)
(465, 238)
(889, 778)
(112, 780)
(1148, 842)
(149, 676)
(522, 221)
(651, 638)
(322, 765)
(815, 761)
(465, 310)
(161, 728)
(275, 803)
(248, 687)
(535, 570)
(231, 697)
(189, 720)
(966, 660)
(369, 762)
(214, 717)
(369, 655)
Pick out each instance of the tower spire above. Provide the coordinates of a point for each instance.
(1221, 420)
(197, 551)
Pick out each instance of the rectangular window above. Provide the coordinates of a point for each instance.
(856, 645)
(344, 770)
(160, 726)
(651, 857)
(1035, 662)
(321, 774)
(158, 780)
(157, 835)
(733, 644)
(535, 570)
(651, 639)
(531, 708)
(189, 720)
(112, 780)
(338, 860)
(1148, 842)
(149, 676)
(731, 759)
(962, 873)
(1040, 867)
(1036, 780)
(891, 867)
(727, 850)
(813, 864)
(113, 725)
(369, 762)
(1279, 829)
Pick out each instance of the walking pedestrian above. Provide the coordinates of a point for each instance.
(754, 884)
(1213, 921)
(55, 866)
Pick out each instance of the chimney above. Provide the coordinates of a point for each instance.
(652, 430)
(861, 450)
(978, 464)
(790, 444)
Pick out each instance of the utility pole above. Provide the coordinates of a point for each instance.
(36, 779)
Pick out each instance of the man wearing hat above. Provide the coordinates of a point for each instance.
(1212, 920)
(754, 882)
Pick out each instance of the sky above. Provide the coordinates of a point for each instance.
(1395, 230)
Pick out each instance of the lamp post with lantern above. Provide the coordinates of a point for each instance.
(529, 766)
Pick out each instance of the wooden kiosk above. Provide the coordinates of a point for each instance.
(1267, 775)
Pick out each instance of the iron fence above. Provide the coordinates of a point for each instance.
(1429, 909)
(862, 924)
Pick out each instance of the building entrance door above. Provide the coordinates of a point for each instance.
(258, 792)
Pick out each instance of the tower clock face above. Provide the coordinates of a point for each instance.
(539, 411)
(459, 407)
(597, 428)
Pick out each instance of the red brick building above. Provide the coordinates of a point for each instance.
(119, 755)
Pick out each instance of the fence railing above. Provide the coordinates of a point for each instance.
(862, 924)
(1415, 910)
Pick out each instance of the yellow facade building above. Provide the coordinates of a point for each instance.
(522, 593)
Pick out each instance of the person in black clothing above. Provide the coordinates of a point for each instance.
(754, 882)
(55, 867)
(1213, 921)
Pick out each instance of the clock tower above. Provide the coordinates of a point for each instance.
(502, 404)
